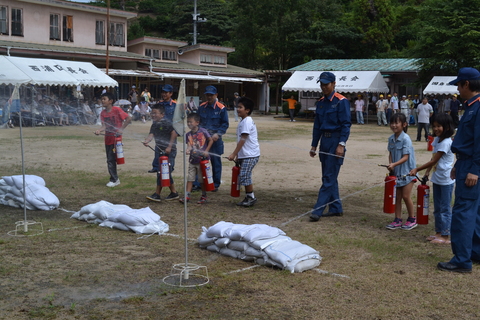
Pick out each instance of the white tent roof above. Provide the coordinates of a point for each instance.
(346, 81)
(439, 85)
(52, 72)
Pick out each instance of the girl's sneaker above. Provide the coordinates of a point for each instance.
(396, 224)
(410, 224)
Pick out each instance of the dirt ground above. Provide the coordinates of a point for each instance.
(80, 271)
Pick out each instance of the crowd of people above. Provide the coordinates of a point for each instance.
(412, 107)
(50, 111)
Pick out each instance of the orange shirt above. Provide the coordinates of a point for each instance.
(291, 103)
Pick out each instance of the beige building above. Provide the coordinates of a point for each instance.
(75, 31)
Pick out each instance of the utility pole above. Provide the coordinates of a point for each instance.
(196, 19)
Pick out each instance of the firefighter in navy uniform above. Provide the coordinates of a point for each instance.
(331, 128)
(214, 118)
(465, 228)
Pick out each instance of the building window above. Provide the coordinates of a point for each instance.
(54, 27)
(156, 54)
(99, 32)
(17, 23)
(68, 28)
(3, 20)
(205, 58)
(148, 52)
(116, 35)
(219, 60)
(169, 55)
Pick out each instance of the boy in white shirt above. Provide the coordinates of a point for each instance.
(247, 151)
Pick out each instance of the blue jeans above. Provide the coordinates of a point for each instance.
(442, 197)
(360, 117)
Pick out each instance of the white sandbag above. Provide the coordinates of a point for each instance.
(244, 257)
(4, 189)
(222, 242)
(303, 265)
(262, 231)
(237, 231)
(213, 248)
(83, 217)
(262, 244)
(41, 197)
(286, 251)
(254, 252)
(135, 217)
(104, 211)
(238, 245)
(12, 203)
(154, 227)
(89, 208)
(15, 191)
(203, 240)
(219, 230)
(17, 180)
(3, 182)
(114, 225)
(75, 215)
(230, 253)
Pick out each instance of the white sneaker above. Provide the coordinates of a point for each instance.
(113, 184)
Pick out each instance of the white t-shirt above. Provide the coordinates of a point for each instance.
(441, 175)
(251, 148)
(394, 102)
(423, 111)
(359, 105)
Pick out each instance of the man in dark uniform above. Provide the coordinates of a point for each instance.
(331, 128)
(214, 118)
(465, 228)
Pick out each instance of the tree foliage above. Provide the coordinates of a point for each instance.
(272, 34)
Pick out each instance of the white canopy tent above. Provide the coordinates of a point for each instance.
(17, 70)
(346, 81)
(439, 85)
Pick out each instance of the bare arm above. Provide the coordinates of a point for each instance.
(399, 162)
(428, 165)
(240, 144)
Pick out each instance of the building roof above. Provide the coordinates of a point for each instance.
(187, 67)
(83, 7)
(382, 65)
(209, 47)
(51, 50)
(159, 41)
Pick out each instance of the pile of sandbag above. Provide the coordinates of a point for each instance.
(261, 243)
(37, 195)
(122, 217)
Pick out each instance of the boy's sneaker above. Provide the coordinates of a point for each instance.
(410, 224)
(182, 200)
(154, 197)
(247, 202)
(112, 184)
(202, 200)
(172, 196)
(396, 224)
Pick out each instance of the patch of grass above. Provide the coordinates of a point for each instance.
(137, 300)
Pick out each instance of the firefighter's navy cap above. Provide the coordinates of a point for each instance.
(326, 77)
(167, 88)
(210, 90)
(466, 74)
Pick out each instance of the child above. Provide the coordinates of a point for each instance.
(442, 162)
(114, 121)
(402, 161)
(199, 143)
(164, 134)
(247, 151)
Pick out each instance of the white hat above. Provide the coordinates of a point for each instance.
(133, 87)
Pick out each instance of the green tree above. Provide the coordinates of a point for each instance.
(450, 38)
(374, 19)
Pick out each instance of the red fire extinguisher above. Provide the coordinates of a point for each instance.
(235, 188)
(389, 196)
(164, 171)
(207, 174)
(430, 141)
(423, 198)
(119, 150)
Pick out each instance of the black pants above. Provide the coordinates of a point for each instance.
(111, 162)
(425, 126)
(292, 114)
